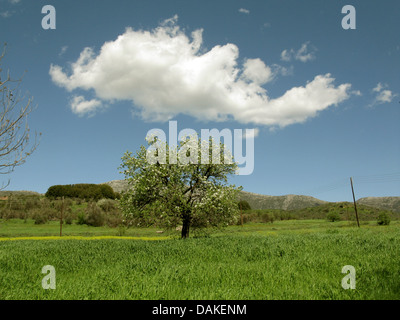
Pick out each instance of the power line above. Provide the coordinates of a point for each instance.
(328, 187)
(343, 183)
(378, 178)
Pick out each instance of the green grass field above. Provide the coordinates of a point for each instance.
(295, 259)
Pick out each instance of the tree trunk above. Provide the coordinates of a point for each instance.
(185, 228)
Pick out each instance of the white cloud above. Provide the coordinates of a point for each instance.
(81, 106)
(279, 70)
(378, 87)
(249, 134)
(286, 55)
(165, 73)
(63, 50)
(242, 10)
(255, 70)
(383, 96)
(5, 14)
(303, 54)
(266, 25)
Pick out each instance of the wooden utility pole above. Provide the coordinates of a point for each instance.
(61, 218)
(354, 200)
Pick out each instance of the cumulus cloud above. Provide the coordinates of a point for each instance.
(378, 87)
(81, 106)
(286, 55)
(5, 14)
(255, 70)
(304, 54)
(383, 95)
(164, 72)
(242, 10)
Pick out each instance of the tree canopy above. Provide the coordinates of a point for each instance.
(85, 191)
(183, 192)
(244, 205)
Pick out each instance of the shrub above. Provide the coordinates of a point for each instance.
(383, 219)
(40, 217)
(6, 214)
(266, 217)
(51, 213)
(333, 216)
(94, 215)
(81, 219)
(284, 215)
(107, 205)
(32, 203)
(248, 217)
(45, 203)
(257, 216)
(244, 205)
(68, 219)
(113, 219)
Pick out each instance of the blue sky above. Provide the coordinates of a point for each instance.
(323, 100)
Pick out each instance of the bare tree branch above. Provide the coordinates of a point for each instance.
(15, 141)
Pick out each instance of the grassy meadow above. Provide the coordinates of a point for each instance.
(276, 254)
(288, 259)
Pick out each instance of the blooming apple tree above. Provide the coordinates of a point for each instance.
(173, 187)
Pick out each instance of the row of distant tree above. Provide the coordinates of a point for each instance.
(85, 191)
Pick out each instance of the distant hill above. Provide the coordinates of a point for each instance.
(260, 201)
(286, 202)
(256, 201)
(386, 203)
(117, 185)
(345, 210)
(4, 193)
(290, 202)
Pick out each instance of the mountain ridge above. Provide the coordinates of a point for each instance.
(289, 201)
(261, 201)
